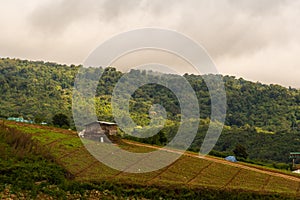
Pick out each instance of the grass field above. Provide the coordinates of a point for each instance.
(187, 172)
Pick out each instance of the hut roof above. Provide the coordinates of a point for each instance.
(102, 122)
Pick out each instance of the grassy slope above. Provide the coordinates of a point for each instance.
(188, 171)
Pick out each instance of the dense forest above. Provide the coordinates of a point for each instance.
(264, 119)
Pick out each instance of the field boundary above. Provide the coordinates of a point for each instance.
(222, 161)
(193, 178)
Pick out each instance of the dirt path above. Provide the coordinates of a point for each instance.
(222, 161)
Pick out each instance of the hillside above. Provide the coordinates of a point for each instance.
(265, 119)
(189, 177)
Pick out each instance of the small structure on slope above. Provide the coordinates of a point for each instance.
(231, 159)
(101, 131)
(295, 156)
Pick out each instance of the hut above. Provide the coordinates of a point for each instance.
(295, 156)
(100, 131)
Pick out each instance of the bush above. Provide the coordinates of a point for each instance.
(61, 120)
(219, 154)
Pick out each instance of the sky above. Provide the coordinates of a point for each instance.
(258, 40)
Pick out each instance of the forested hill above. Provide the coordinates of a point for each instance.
(39, 90)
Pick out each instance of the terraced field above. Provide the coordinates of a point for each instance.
(189, 171)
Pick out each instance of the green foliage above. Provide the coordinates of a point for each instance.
(219, 154)
(33, 174)
(61, 120)
(25, 165)
(240, 151)
(35, 90)
(263, 118)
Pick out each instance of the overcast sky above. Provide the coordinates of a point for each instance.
(256, 40)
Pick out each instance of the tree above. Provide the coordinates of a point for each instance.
(61, 120)
(240, 151)
(162, 138)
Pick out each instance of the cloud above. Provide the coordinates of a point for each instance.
(116, 9)
(236, 33)
(233, 28)
(56, 16)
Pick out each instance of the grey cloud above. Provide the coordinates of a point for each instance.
(56, 16)
(224, 27)
(259, 7)
(232, 31)
(236, 28)
(112, 9)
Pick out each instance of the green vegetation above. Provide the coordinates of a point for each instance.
(265, 119)
(35, 90)
(240, 151)
(66, 170)
(61, 120)
(25, 165)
